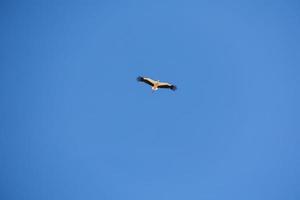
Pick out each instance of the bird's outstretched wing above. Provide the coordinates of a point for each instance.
(167, 85)
(146, 80)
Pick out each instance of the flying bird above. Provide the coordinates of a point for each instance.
(156, 84)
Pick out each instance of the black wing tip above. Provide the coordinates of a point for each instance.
(139, 78)
(173, 87)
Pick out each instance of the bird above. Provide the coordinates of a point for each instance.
(156, 84)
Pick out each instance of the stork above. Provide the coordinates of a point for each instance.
(156, 84)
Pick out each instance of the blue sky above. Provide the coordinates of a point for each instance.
(75, 124)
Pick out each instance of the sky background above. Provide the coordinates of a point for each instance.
(75, 123)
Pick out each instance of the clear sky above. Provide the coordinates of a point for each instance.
(75, 123)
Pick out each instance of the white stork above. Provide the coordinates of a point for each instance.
(156, 84)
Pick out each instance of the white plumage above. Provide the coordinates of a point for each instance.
(156, 84)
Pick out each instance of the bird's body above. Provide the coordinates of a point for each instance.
(156, 84)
